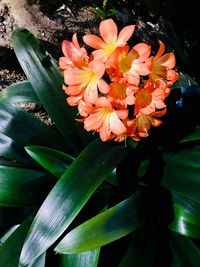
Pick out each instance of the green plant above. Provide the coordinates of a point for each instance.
(62, 189)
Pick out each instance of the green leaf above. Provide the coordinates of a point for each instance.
(104, 228)
(142, 249)
(46, 79)
(26, 129)
(69, 195)
(88, 258)
(181, 172)
(19, 92)
(39, 262)
(56, 162)
(187, 216)
(185, 251)
(10, 250)
(195, 136)
(13, 151)
(22, 187)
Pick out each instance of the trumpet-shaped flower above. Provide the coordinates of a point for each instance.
(142, 123)
(110, 39)
(162, 67)
(106, 120)
(130, 63)
(121, 93)
(73, 54)
(149, 99)
(86, 81)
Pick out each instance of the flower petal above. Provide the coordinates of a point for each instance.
(108, 31)
(168, 60)
(143, 51)
(116, 125)
(104, 88)
(125, 34)
(93, 41)
(98, 67)
(161, 50)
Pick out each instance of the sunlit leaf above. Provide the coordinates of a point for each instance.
(104, 228)
(88, 258)
(186, 216)
(19, 92)
(52, 160)
(46, 79)
(69, 195)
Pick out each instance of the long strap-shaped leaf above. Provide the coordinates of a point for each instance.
(22, 187)
(88, 258)
(185, 251)
(186, 216)
(46, 79)
(19, 92)
(12, 150)
(104, 228)
(68, 197)
(10, 250)
(181, 172)
(26, 129)
(50, 159)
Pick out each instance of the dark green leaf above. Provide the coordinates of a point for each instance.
(187, 216)
(19, 92)
(185, 251)
(69, 195)
(104, 228)
(26, 129)
(88, 258)
(22, 187)
(46, 79)
(181, 172)
(52, 160)
(142, 249)
(13, 151)
(10, 250)
(195, 136)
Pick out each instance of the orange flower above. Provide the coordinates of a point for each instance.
(110, 39)
(86, 81)
(162, 67)
(149, 99)
(73, 54)
(142, 123)
(122, 93)
(129, 63)
(106, 120)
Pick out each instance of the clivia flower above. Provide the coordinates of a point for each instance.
(110, 39)
(119, 90)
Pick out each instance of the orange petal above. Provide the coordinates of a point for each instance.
(104, 88)
(75, 41)
(98, 66)
(161, 50)
(64, 63)
(116, 125)
(108, 31)
(172, 75)
(103, 102)
(93, 41)
(168, 60)
(143, 51)
(74, 100)
(73, 76)
(122, 114)
(125, 34)
(105, 133)
(74, 90)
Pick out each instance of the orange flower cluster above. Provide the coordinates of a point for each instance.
(119, 90)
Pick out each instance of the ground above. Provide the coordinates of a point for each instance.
(54, 20)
